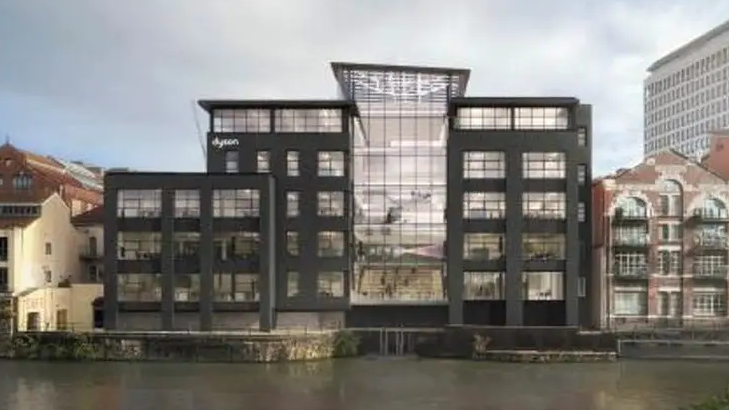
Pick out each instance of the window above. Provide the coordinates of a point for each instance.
(543, 246)
(712, 209)
(263, 161)
(49, 248)
(292, 243)
(3, 248)
(631, 207)
(483, 246)
(186, 244)
(139, 287)
(330, 203)
(330, 164)
(231, 162)
(13, 211)
(292, 285)
(48, 274)
(242, 120)
(629, 264)
(669, 304)
(709, 304)
(187, 203)
(543, 285)
(581, 212)
(631, 235)
(670, 232)
(139, 203)
(331, 284)
(292, 204)
(484, 165)
(581, 287)
(292, 163)
(331, 244)
(581, 136)
(4, 280)
(236, 203)
(669, 262)
(482, 118)
(541, 118)
(710, 265)
(484, 205)
(309, 120)
(544, 205)
(581, 174)
(671, 201)
(543, 165)
(61, 319)
(235, 287)
(22, 181)
(138, 245)
(241, 245)
(630, 303)
(187, 287)
(483, 285)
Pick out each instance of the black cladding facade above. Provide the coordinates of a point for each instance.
(512, 142)
(199, 261)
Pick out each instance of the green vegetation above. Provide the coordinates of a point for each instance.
(346, 344)
(720, 402)
(63, 346)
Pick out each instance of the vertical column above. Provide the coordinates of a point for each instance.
(454, 234)
(514, 223)
(267, 257)
(206, 257)
(308, 228)
(572, 268)
(111, 297)
(167, 260)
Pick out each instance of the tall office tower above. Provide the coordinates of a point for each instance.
(685, 95)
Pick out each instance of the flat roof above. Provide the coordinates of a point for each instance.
(515, 101)
(692, 45)
(210, 105)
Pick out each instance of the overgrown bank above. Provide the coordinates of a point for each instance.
(178, 347)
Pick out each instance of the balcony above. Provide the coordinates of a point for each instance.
(636, 271)
(710, 215)
(88, 253)
(630, 216)
(705, 270)
(632, 241)
(710, 242)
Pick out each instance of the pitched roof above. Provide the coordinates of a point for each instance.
(91, 217)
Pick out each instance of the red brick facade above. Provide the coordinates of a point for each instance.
(646, 183)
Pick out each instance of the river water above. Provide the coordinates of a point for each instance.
(358, 384)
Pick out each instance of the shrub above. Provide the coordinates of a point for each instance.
(346, 344)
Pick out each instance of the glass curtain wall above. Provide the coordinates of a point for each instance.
(399, 184)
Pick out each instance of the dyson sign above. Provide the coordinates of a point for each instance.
(221, 143)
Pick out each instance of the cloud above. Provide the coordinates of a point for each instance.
(127, 72)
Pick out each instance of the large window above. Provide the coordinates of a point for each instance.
(671, 198)
(242, 120)
(139, 203)
(483, 285)
(187, 203)
(544, 165)
(236, 245)
(543, 285)
(139, 287)
(330, 203)
(231, 162)
(292, 163)
(484, 205)
(22, 181)
(543, 246)
(309, 120)
(669, 262)
(630, 235)
(629, 263)
(330, 164)
(187, 287)
(541, 118)
(331, 244)
(186, 244)
(331, 284)
(235, 287)
(139, 245)
(236, 203)
(484, 164)
(484, 118)
(630, 303)
(709, 303)
(292, 204)
(544, 205)
(710, 265)
(483, 246)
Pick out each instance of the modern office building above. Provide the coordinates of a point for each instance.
(351, 212)
(661, 244)
(686, 96)
(518, 194)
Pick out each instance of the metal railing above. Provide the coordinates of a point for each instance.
(635, 271)
(631, 240)
(711, 214)
(707, 270)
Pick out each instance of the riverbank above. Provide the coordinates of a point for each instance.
(180, 347)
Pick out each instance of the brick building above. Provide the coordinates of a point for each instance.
(660, 243)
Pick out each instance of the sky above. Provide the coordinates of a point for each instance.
(114, 82)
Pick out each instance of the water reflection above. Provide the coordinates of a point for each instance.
(358, 385)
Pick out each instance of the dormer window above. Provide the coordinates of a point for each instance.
(22, 181)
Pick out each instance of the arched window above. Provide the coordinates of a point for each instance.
(22, 181)
(631, 208)
(671, 197)
(712, 208)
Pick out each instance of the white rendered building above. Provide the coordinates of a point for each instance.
(685, 95)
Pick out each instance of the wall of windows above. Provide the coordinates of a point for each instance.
(138, 245)
(139, 287)
(242, 120)
(236, 203)
(544, 205)
(139, 203)
(544, 165)
(235, 287)
(520, 118)
(543, 246)
(483, 246)
(484, 205)
(187, 203)
(483, 286)
(484, 165)
(235, 245)
(543, 285)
